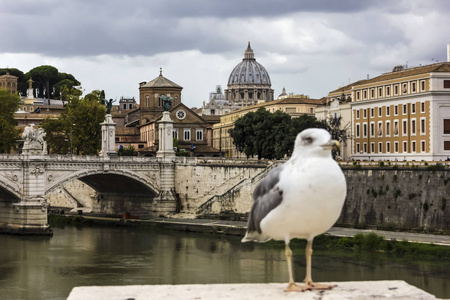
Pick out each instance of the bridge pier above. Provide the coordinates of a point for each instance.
(29, 214)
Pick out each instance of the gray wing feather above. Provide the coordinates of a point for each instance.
(266, 197)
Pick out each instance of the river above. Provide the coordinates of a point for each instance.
(33, 268)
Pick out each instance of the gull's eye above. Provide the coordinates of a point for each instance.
(308, 140)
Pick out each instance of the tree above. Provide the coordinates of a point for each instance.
(45, 77)
(77, 130)
(8, 133)
(49, 79)
(127, 151)
(270, 135)
(333, 125)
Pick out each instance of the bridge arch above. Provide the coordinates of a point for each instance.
(96, 179)
(118, 191)
(7, 191)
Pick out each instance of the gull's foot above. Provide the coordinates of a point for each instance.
(314, 286)
(293, 287)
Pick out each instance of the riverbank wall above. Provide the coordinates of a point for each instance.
(408, 196)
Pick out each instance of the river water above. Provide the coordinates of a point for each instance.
(49, 267)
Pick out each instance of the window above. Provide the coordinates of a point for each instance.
(388, 128)
(388, 91)
(187, 134)
(364, 113)
(365, 94)
(413, 108)
(130, 106)
(405, 147)
(405, 127)
(357, 148)
(446, 126)
(357, 95)
(395, 127)
(290, 110)
(446, 145)
(395, 110)
(199, 134)
(446, 84)
(422, 85)
(365, 147)
(372, 129)
(413, 87)
(147, 102)
(380, 92)
(413, 146)
(372, 93)
(124, 106)
(396, 89)
(140, 146)
(372, 147)
(388, 112)
(357, 113)
(388, 147)
(372, 112)
(357, 130)
(405, 109)
(405, 88)
(175, 133)
(396, 147)
(380, 111)
(413, 126)
(365, 130)
(311, 110)
(380, 128)
(380, 147)
(422, 126)
(422, 146)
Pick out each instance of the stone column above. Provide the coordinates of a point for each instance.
(108, 137)
(29, 216)
(165, 137)
(165, 202)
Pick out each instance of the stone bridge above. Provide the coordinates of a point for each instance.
(142, 186)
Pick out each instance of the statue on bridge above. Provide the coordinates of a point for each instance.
(167, 102)
(109, 105)
(34, 142)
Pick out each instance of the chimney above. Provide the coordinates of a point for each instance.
(448, 52)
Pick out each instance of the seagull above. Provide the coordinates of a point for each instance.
(302, 198)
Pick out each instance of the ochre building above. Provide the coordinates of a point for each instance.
(403, 115)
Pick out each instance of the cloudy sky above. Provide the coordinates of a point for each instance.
(308, 46)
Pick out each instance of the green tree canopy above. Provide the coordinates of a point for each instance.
(127, 151)
(45, 77)
(8, 133)
(49, 79)
(78, 127)
(270, 135)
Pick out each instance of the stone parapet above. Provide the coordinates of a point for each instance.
(260, 291)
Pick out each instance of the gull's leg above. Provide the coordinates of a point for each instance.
(308, 280)
(308, 253)
(292, 287)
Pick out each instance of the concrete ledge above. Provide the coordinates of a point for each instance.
(260, 291)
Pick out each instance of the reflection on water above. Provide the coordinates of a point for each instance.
(48, 268)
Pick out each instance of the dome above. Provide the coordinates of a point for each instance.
(249, 71)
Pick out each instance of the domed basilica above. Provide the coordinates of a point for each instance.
(249, 83)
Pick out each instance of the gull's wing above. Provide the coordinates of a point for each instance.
(266, 196)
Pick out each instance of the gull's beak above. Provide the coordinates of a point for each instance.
(331, 145)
